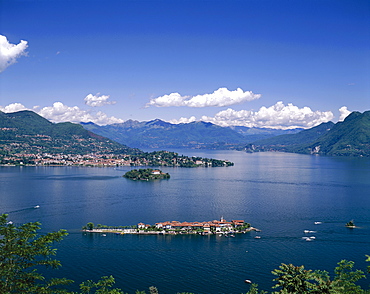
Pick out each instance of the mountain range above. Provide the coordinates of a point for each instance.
(27, 132)
(159, 134)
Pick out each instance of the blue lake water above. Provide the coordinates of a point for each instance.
(281, 194)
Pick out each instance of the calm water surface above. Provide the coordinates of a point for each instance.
(281, 194)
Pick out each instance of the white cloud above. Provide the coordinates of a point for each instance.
(10, 52)
(14, 107)
(183, 120)
(96, 100)
(221, 97)
(278, 116)
(62, 113)
(344, 112)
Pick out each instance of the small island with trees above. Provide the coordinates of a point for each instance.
(351, 224)
(146, 174)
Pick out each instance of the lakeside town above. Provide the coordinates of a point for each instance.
(156, 158)
(175, 227)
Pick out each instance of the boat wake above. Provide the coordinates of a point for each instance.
(23, 209)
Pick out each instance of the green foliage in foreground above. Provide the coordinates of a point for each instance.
(22, 251)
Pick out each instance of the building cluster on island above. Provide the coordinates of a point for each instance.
(175, 227)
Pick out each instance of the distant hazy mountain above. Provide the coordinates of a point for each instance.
(289, 141)
(160, 134)
(28, 132)
(348, 138)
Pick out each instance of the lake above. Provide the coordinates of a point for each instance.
(282, 194)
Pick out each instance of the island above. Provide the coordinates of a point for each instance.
(220, 227)
(146, 174)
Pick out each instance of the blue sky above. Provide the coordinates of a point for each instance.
(255, 63)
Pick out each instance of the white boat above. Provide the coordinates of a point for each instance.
(318, 223)
(248, 281)
(37, 206)
(257, 237)
(309, 238)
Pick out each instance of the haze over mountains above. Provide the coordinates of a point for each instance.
(348, 138)
(195, 135)
(26, 131)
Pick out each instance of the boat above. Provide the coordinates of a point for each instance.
(309, 238)
(248, 281)
(37, 206)
(318, 223)
(257, 237)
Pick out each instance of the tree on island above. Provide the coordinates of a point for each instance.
(90, 226)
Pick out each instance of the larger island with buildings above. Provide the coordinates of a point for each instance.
(175, 227)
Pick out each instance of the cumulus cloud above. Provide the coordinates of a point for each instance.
(344, 112)
(96, 100)
(62, 113)
(219, 98)
(10, 52)
(14, 107)
(278, 116)
(183, 120)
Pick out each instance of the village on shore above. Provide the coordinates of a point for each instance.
(175, 227)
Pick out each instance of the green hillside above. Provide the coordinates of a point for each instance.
(27, 132)
(348, 138)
